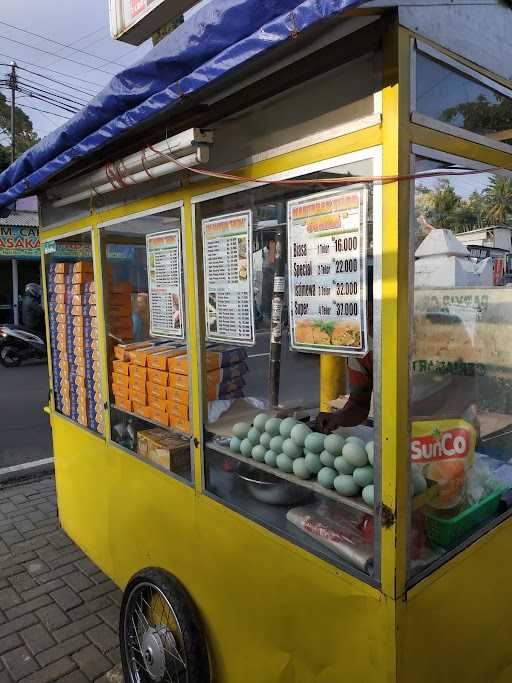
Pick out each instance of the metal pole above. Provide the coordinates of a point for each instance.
(12, 85)
(276, 318)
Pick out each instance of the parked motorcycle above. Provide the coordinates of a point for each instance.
(18, 344)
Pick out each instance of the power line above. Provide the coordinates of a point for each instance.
(44, 111)
(52, 54)
(65, 45)
(59, 73)
(27, 93)
(37, 87)
(53, 80)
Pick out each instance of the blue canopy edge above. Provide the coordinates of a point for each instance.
(220, 37)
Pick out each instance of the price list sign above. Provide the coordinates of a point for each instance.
(227, 254)
(327, 271)
(165, 284)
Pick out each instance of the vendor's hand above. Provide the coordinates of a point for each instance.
(327, 422)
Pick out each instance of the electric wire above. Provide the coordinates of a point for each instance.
(45, 68)
(44, 111)
(53, 93)
(56, 42)
(52, 54)
(64, 107)
(53, 80)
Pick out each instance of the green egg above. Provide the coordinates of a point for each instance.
(369, 495)
(419, 483)
(246, 448)
(291, 449)
(342, 465)
(363, 476)
(286, 426)
(313, 462)
(299, 433)
(326, 477)
(355, 454)
(234, 444)
(300, 468)
(345, 485)
(272, 426)
(271, 458)
(260, 421)
(314, 442)
(327, 458)
(241, 429)
(334, 443)
(276, 444)
(258, 453)
(354, 439)
(265, 440)
(254, 435)
(369, 451)
(284, 463)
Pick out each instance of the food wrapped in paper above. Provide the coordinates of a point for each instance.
(338, 528)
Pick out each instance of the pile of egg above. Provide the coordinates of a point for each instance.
(344, 464)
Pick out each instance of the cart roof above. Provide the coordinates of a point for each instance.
(220, 38)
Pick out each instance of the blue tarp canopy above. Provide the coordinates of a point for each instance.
(219, 38)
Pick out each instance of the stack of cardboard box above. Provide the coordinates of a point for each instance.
(153, 380)
(74, 342)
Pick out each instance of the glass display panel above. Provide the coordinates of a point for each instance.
(74, 335)
(461, 370)
(453, 97)
(270, 454)
(146, 330)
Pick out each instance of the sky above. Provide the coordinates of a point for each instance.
(77, 72)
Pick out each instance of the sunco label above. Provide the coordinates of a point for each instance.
(444, 450)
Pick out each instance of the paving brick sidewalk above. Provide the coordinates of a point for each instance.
(58, 612)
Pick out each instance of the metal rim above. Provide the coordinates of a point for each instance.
(153, 637)
(9, 359)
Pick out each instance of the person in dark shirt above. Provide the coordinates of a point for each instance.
(32, 309)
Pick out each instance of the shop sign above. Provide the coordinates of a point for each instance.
(19, 241)
(120, 252)
(327, 271)
(227, 254)
(165, 284)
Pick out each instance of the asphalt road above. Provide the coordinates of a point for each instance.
(25, 433)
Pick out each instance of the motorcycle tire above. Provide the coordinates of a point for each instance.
(9, 356)
(160, 632)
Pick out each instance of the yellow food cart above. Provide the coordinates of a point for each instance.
(279, 381)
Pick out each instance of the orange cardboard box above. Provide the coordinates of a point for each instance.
(122, 351)
(178, 381)
(177, 395)
(139, 373)
(120, 390)
(143, 410)
(158, 377)
(179, 424)
(158, 361)
(121, 367)
(177, 410)
(59, 278)
(83, 267)
(156, 390)
(160, 403)
(159, 415)
(60, 288)
(123, 403)
(119, 378)
(138, 396)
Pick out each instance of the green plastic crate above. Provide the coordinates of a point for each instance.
(445, 532)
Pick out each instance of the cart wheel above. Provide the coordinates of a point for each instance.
(9, 357)
(160, 632)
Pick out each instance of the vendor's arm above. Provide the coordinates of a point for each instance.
(357, 408)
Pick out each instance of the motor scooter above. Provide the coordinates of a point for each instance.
(18, 343)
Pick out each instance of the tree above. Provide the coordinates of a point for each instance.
(498, 199)
(25, 135)
(5, 158)
(481, 115)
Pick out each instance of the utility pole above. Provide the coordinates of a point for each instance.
(12, 85)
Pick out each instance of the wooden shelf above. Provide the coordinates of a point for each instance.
(356, 502)
(148, 419)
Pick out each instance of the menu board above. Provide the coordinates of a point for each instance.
(327, 271)
(165, 284)
(227, 253)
